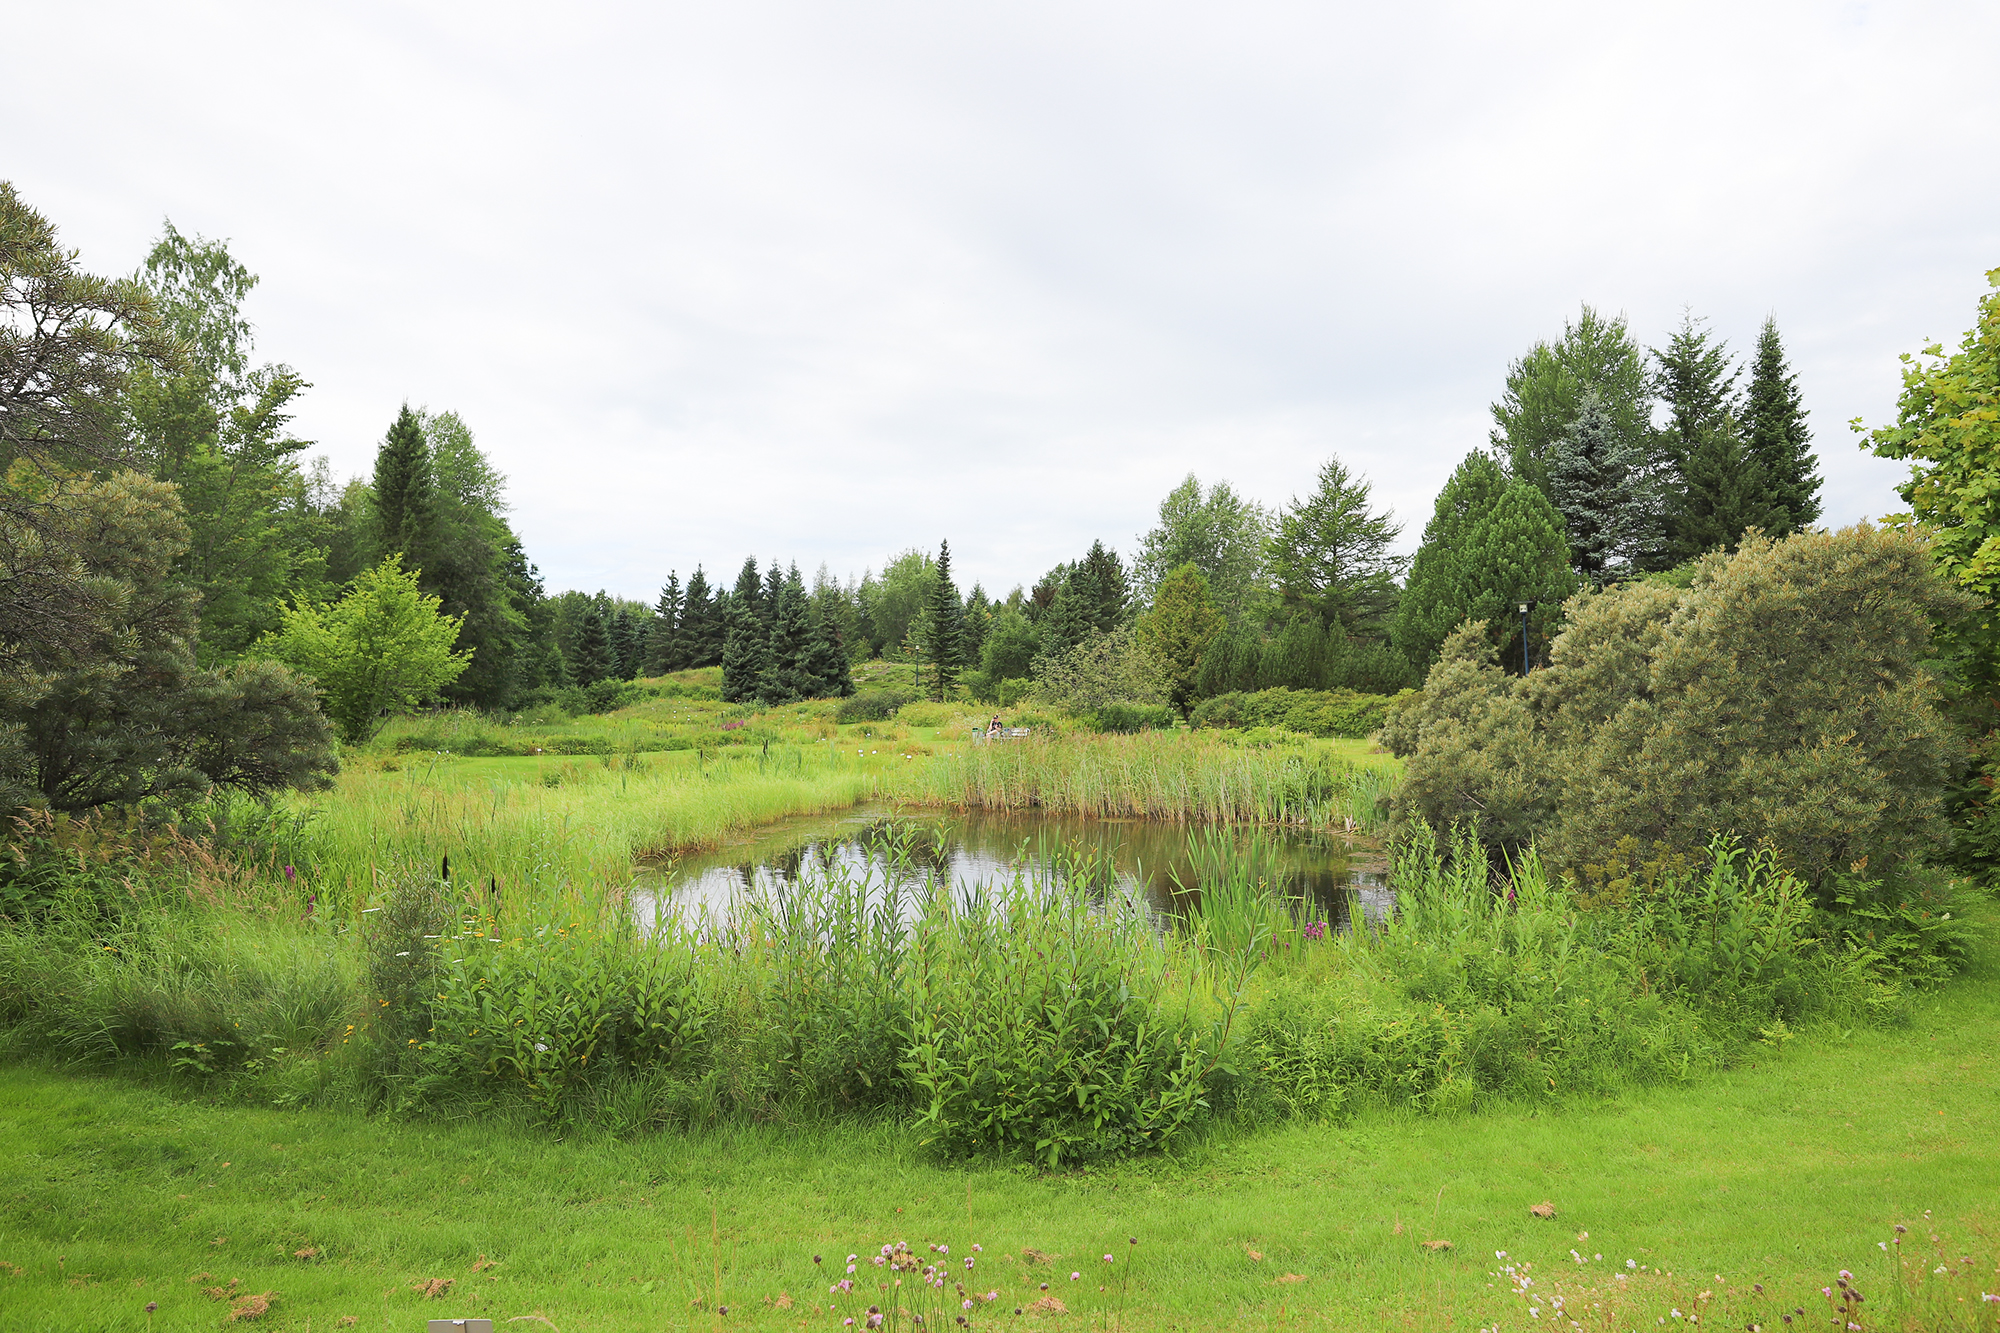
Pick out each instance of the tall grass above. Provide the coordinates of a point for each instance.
(1180, 776)
(572, 827)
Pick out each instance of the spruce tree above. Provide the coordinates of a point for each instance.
(745, 654)
(405, 499)
(944, 629)
(748, 594)
(1596, 485)
(826, 660)
(1723, 493)
(702, 627)
(1545, 388)
(629, 639)
(978, 619)
(663, 645)
(1695, 378)
(1775, 437)
(1102, 590)
(593, 660)
(774, 584)
(787, 673)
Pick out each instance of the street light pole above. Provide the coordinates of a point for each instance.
(1524, 638)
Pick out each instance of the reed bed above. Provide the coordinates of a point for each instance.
(575, 826)
(1175, 776)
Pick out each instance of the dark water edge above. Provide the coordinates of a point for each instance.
(1148, 860)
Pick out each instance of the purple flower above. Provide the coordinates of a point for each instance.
(1074, 1276)
(290, 874)
(1107, 1258)
(1315, 930)
(968, 1261)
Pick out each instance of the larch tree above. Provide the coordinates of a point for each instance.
(1330, 554)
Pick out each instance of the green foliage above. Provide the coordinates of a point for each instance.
(1776, 440)
(1491, 545)
(404, 490)
(940, 630)
(893, 603)
(382, 648)
(1780, 698)
(1180, 626)
(1219, 532)
(1126, 718)
(1723, 494)
(1343, 713)
(1330, 554)
(1545, 391)
(126, 715)
(1119, 667)
(1011, 646)
(872, 706)
(1597, 484)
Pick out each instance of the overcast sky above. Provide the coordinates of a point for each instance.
(825, 282)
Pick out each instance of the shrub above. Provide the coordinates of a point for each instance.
(872, 705)
(1124, 718)
(1779, 697)
(1343, 713)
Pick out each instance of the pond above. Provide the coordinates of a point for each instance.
(1148, 860)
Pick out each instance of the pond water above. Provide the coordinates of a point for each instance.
(1148, 860)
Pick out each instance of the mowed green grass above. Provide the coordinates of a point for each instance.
(1781, 1173)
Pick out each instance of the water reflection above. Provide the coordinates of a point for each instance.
(1147, 861)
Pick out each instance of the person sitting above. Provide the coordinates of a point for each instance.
(993, 727)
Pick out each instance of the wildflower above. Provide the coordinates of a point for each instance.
(541, 1048)
(1074, 1276)
(965, 1305)
(1045, 1286)
(154, 1305)
(1630, 1264)
(1107, 1258)
(1135, 1240)
(979, 1249)
(968, 1262)
(852, 1257)
(878, 1261)
(815, 1258)
(847, 1322)
(850, 1268)
(290, 874)
(1882, 1245)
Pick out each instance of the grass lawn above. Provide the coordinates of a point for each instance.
(113, 1195)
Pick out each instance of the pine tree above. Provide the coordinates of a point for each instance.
(1775, 438)
(702, 627)
(405, 499)
(1724, 493)
(593, 661)
(628, 643)
(774, 584)
(745, 655)
(664, 652)
(1061, 625)
(944, 628)
(1596, 485)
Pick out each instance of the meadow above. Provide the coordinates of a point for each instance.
(411, 986)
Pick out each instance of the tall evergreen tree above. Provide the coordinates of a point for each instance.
(1723, 492)
(1102, 591)
(1428, 610)
(978, 619)
(944, 628)
(664, 652)
(749, 592)
(1775, 437)
(702, 625)
(1597, 485)
(774, 584)
(1695, 378)
(594, 659)
(404, 501)
(787, 672)
(745, 654)
(826, 660)
(628, 637)
(1330, 554)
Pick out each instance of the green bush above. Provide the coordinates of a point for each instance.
(872, 705)
(1125, 719)
(1781, 697)
(1342, 713)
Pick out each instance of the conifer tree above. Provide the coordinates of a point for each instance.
(745, 655)
(787, 672)
(1596, 484)
(1102, 591)
(944, 628)
(1723, 493)
(1545, 387)
(1429, 608)
(1181, 625)
(978, 619)
(748, 594)
(1062, 625)
(628, 639)
(1330, 554)
(1775, 437)
(826, 659)
(774, 584)
(593, 660)
(405, 503)
(664, 652)
(702, 626)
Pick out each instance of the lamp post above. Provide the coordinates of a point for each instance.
(1524, 638)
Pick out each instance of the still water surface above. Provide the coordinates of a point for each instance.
(1149, 860)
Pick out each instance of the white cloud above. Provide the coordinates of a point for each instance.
(824, 282)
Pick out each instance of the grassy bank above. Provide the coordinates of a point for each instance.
(1782, 1173)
